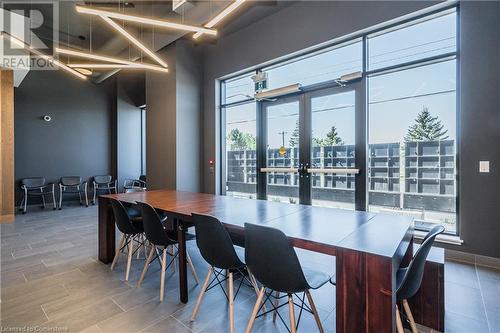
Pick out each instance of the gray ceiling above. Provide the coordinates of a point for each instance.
(88, 32)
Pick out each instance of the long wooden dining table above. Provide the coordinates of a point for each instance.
(368, 247)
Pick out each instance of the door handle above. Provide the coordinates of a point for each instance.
(338, 171)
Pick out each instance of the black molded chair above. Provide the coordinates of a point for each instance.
(72, 184)
(36, 187)
(217, 249)
(275, 265)
(134, 185)
(103, 183)
(408, 279)
(160, 234)
(132, 232)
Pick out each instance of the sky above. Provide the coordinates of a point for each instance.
(395, 99)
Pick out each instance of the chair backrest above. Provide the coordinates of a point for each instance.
(122, 219)
(214, 242)
(415, 270)
(272, 259)
(134, 189)
(153, 228)
(71, 180)
(33, 182)
(103, 179)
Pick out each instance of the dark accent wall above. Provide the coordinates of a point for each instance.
(308, 23)
(78, 140)
(479, 204)
(174, 120)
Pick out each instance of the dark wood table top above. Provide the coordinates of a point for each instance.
(316, 228)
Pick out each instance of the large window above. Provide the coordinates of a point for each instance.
(412, 121)
(309, 147)
(240, 142)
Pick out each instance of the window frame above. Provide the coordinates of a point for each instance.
(353, 38)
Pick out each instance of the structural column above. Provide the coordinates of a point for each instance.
(7, 146)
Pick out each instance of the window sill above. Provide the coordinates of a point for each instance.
(446, 239)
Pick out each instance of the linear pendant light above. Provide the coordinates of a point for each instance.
(46, 57)
(106, 66)
(133, 40)
(219, 17)
(144, 20)
(110, 59)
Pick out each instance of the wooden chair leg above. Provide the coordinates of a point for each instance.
(231, 303)
(255, 310)
(315, 311)
(117, 254)
(162, 275)
(146, 265)
(399, 323)
(291, 310)
(276, 303)
(410, 316)
(191, 267)
(129, 258)
(202, 293)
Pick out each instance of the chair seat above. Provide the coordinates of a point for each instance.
(315, 279)
(133, 212)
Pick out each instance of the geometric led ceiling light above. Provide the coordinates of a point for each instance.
(113, 60)
(219, 17)
(46, 57)
(145, 20)
(134, 41)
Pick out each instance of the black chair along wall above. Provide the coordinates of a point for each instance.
(36, 186)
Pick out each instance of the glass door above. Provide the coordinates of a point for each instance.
(282, 141)
(333, 169)
(311, 151)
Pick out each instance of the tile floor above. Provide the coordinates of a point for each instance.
(50, 279)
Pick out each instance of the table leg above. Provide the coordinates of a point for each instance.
(365, 292)
(183, 287)
(106, 234)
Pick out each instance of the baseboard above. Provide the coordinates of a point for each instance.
(473, 259)
(8, 218)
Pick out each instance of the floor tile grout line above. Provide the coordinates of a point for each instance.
(190, 330)
(482, 298)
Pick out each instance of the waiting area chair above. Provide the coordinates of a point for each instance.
(73, 184)
(274, 263)
(132, 234)
(217, 249)
(36, 187)
(160, 235)
(409, 279)
(103, 183)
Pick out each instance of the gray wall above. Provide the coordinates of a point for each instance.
(161, 124)
(306, 24)
(173, 120)
(77, 141)
(479, 206)
(130, 95)
(189, 76)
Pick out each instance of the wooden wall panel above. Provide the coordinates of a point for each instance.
(7, 146)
